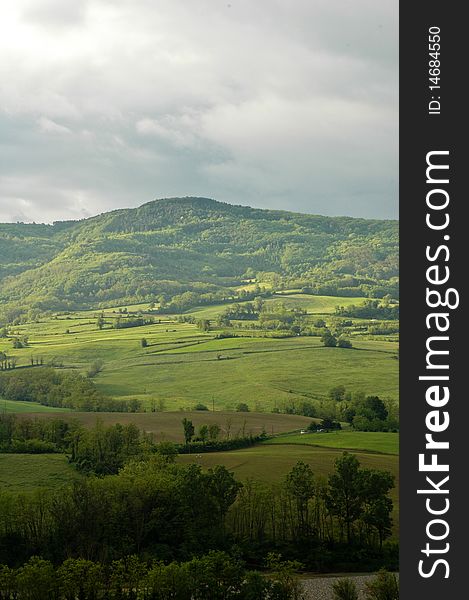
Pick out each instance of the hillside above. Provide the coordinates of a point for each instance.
(170, 246)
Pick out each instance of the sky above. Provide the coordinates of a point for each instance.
(286, 104)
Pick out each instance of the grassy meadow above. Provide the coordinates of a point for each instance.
(183, 366)
(17, 406)
(370, 441)
(28, 472)
(270, 464)
(314, 305)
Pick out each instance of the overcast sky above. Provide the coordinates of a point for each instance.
(287, 104)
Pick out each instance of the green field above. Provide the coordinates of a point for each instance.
(314, 305)
(16, 406)
(371, 441)
(270, 463)
(183, 366)
(27, 472)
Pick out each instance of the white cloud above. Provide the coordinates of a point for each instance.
(266, 102)
(48, 126)
(180, 132)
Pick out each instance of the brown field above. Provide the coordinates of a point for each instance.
(167, 425)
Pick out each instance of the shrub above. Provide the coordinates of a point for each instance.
(285, 584)
(329, 340)
(344, 343)
(242, 407)
(345, 589)
(95, 368)
(33, 446)
(383, 587)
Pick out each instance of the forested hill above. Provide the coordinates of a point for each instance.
(170, 246)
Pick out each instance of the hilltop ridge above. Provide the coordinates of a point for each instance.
(172, 245)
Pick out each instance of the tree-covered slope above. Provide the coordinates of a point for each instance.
(173, 245)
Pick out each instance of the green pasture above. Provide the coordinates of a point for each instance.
(320, 305)
(315, 304)
(27, 472)
(385, 443)
(183, 365)
(17, 406)
(270, 463)
(265, 375)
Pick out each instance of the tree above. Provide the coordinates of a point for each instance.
(344, 498)
(300, 484)
(38, 575)
(329, 340)
(242, 407)
(100, 322)
(203, 324)
(259, 304)
(203, 433)
(78, 578)
(188, 430)
(376, 408)
(329, 423)
(96, 367)
(144, 342)
(168, 450)
(337, 393)
(213, 431)
(348, 413)
(377, 506)
(224, 488)
(3, 360)
(20, 342)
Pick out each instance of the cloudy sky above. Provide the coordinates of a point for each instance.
(287, 104)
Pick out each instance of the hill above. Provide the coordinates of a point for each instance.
(173, 246)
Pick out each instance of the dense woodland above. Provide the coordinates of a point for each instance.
(169, 247)
(136, 500)
(215, 576)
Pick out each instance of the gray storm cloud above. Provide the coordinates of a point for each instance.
(272, 103)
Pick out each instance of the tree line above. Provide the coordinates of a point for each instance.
(371, 309)
(215, 576)
(102, 450)
(166, 511)
(365, 412)
(51, 387)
